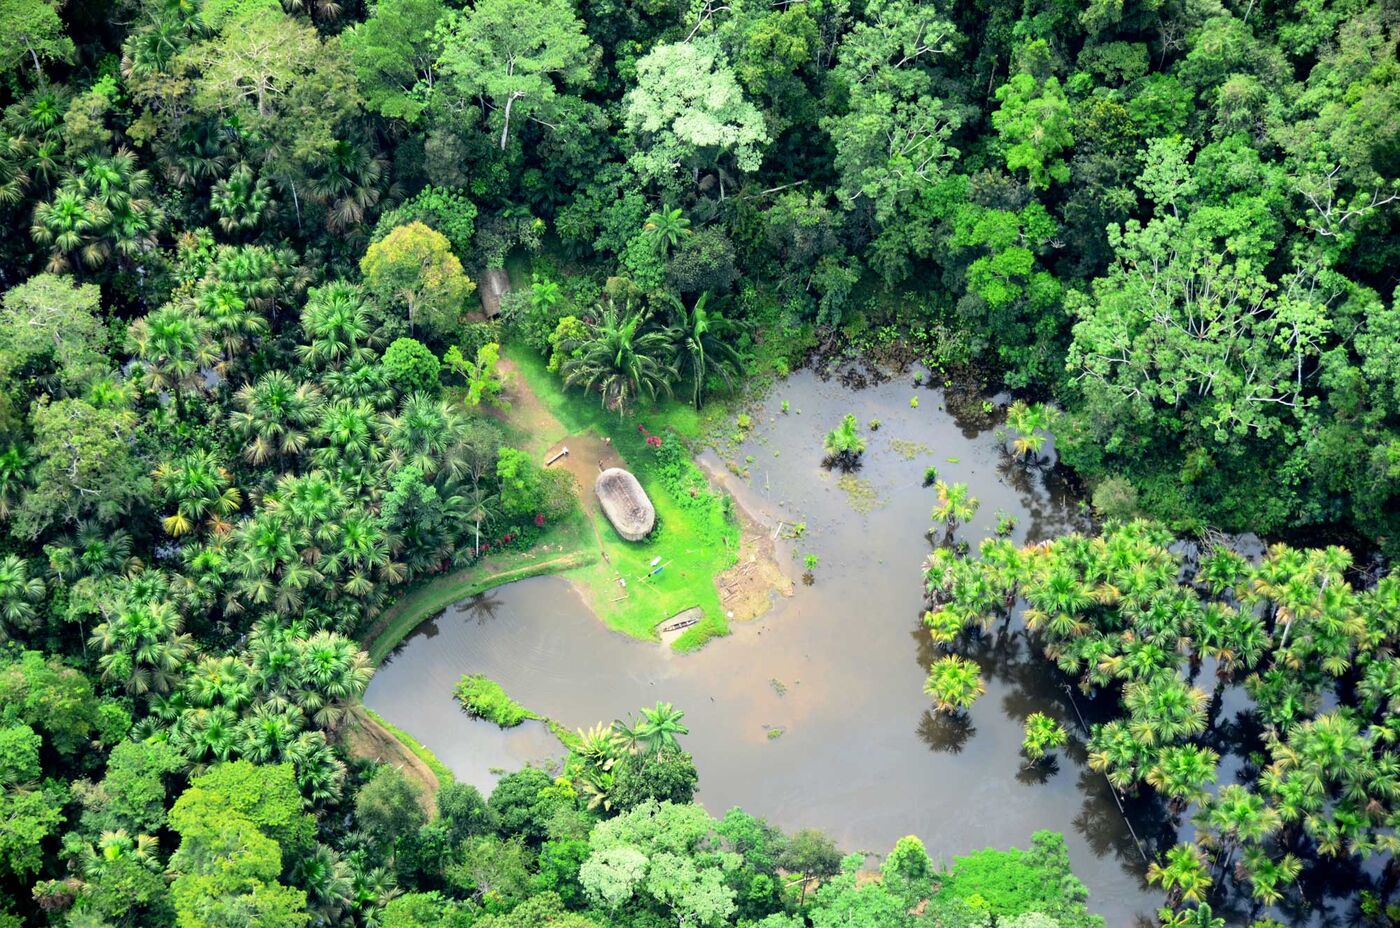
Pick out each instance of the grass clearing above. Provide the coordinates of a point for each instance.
(697, 535)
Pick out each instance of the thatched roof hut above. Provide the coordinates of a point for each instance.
(495, 284)
(625, 503)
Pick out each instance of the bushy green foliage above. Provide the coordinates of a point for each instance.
(1014, 882)
(411, 368)
(218, 462)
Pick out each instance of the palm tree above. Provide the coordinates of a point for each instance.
(483, 507)
(331, 673)
(144, 647)
(1199, 916)
(705, 345)
(19, 594)
(844, 444)
(1268, 878)
(328, 884)
(320, 774)
(265, 733)
(598, 746)
(175, 347)
(201, 488)
(232, 322)
(954, 683)
(1043, 734)
(336, 325)
(658, 727)
(1117, 754)
(1183, 773)
(113, 847)
(955, 505)
(666, 228)
(241, 200)
(1031, 422)
(218, 681)
(1057, 600)
(274, 416)
(1236, 816)
(348, 179)
(1184, 875)
(1163, 709)
(67, 224)
(620, 359)
(427, 434)
(14, 468)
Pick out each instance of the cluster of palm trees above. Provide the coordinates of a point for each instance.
(597, 751)
(292, 487)
(274, 701)
(626, 352)
(1317, 656)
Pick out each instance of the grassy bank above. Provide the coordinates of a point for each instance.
(440, 770)
(697, 536)
(567, 545)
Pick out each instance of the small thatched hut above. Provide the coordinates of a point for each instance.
(495, 284)
(625, 503)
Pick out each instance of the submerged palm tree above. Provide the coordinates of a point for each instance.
(954, 683)
(1031, 422)
(956, 505)
(1183, 875)
(620, 359)
(844, 444)
(1183, 773)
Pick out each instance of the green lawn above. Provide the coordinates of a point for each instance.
(698, 537)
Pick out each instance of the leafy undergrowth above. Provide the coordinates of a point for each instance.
(486, 699)
(696, 538)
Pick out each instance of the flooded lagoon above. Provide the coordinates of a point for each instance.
(813, 716)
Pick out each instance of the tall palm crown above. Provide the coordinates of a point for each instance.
(274, 416)
(658, 727)
(666, 228)
(621, 358)
(705, 346)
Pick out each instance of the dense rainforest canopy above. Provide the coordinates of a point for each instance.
(243, 368)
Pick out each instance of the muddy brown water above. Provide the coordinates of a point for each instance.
(836, 671)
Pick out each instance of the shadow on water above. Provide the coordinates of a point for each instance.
(839, 666)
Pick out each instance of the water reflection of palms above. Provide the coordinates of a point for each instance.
(482, 607)
(942, 732)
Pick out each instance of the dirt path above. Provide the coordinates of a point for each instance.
(366, 739)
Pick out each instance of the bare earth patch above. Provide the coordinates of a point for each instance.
(746, 589)
(366, 739)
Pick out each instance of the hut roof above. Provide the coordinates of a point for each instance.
(625, 503)
(495, 284)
